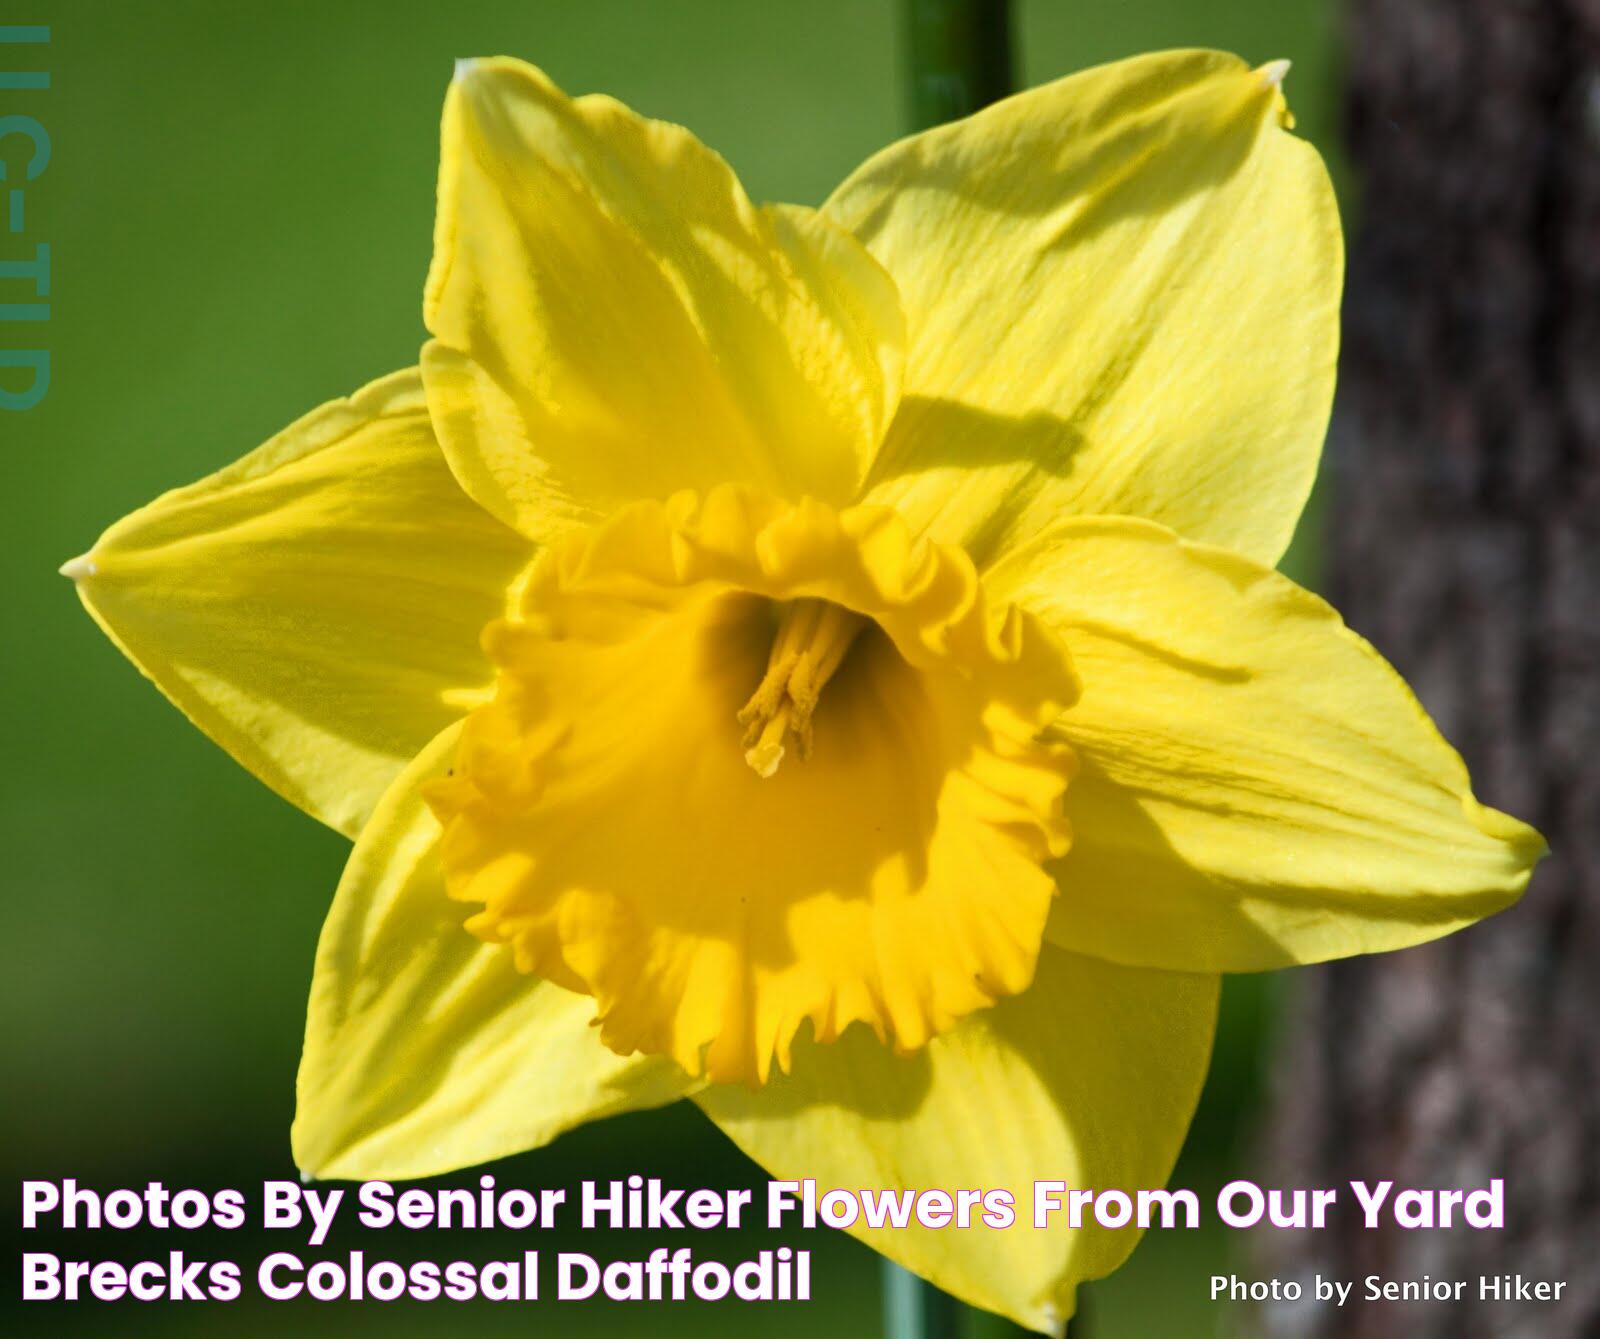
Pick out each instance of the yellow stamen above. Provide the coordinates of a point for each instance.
(813, 637)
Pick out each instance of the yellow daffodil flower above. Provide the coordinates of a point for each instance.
(835, 652)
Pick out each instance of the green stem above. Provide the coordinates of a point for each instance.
(913, 1309)
(959, 59)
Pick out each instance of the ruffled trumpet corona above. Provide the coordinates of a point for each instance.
(824, 663)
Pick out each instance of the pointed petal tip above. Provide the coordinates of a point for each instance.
(1273, 72)
(464, 66)
(80, 569)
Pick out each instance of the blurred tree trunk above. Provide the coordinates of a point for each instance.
(1465, 542)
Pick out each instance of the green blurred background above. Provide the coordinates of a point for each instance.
(239, 211)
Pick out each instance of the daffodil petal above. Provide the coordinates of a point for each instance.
(1259, 787)
(1088, 1077)
(615, 320)
(1122, 291)
(426, 1049)
(314, 607)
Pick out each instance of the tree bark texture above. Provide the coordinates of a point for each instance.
(1464, 540)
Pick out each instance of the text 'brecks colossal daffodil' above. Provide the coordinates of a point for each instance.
(825, 663)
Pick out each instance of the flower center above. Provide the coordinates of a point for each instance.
(813, 639)
(615, 835)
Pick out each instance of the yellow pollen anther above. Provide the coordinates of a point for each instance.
(813, 637)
